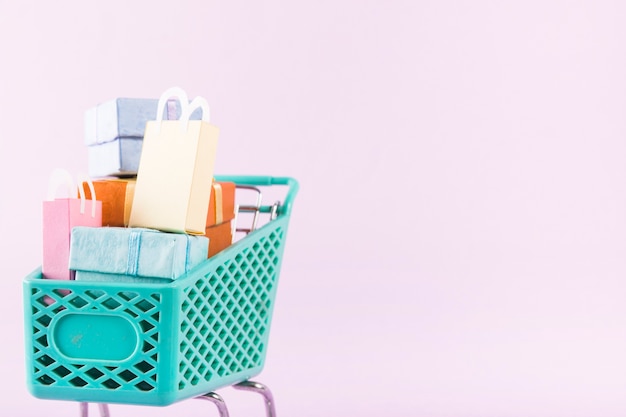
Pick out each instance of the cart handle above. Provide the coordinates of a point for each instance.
(261, 180)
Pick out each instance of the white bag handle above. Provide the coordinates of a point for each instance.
(84, 178)
(198, 102)
(176, 92)
(186, 108)
(60, 176)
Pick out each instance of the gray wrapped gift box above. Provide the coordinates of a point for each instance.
(118, 158)
(114, 133)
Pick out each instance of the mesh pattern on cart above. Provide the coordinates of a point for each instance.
(52, 370)
(225, 316)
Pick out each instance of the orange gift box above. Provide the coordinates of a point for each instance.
(117, 199)
(222, 198)
(220, 237)
(220, 216)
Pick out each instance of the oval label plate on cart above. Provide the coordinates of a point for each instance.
(95, 336)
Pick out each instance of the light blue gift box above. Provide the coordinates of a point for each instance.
(132, 254)
(114, 133)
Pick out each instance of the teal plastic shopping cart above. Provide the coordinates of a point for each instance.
(156, 344)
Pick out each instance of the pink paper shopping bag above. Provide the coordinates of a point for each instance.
(60, 215)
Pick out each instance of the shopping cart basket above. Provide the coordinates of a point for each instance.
(156, 344)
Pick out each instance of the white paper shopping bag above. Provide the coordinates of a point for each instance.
(175, 172)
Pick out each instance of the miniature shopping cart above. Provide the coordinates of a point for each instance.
(156, 344)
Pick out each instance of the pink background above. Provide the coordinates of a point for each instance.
(457, 248)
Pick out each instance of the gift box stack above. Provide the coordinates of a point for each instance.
(151, 210)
